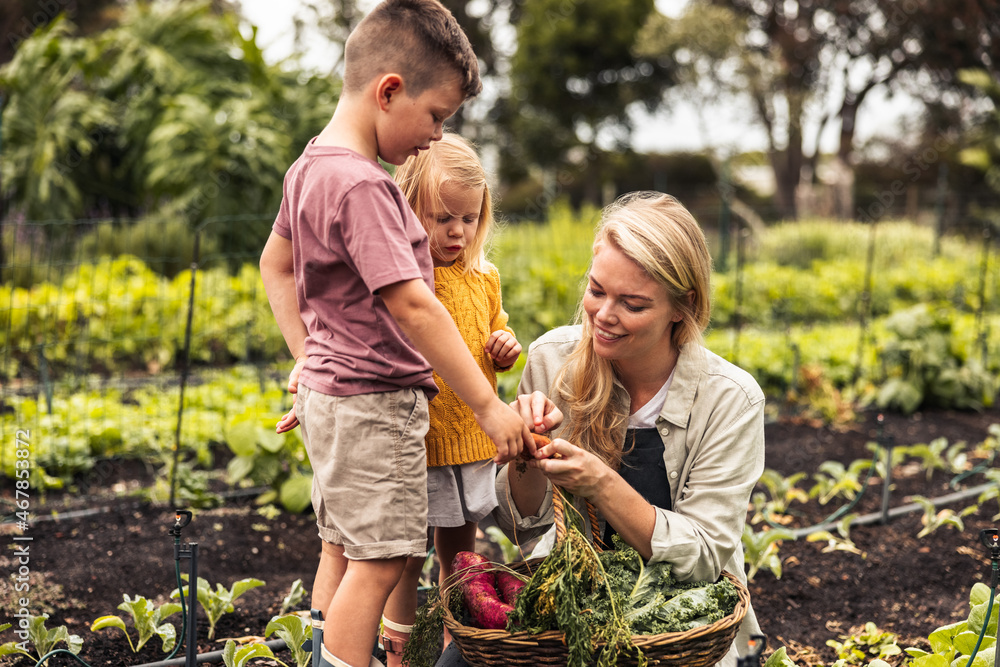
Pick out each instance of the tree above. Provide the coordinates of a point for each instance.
(807, 65)
(19, 19)
(173, 113)
(574, 76)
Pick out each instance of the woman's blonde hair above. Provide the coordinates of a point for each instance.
(662, 237)
(454, 160)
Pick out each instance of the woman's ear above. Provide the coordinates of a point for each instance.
(690, 296)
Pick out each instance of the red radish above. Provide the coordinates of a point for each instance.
(510, 586)
(479, 590)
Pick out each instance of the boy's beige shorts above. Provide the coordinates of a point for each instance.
(369, 465)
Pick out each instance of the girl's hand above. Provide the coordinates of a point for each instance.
(503, 348)
(571, 468)
(538, 411)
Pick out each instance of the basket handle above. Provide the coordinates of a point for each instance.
(559, 510)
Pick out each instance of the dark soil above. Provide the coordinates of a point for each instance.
(80, 566)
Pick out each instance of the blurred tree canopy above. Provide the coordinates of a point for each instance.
(168, 109)
(172, 112)
(805, 64)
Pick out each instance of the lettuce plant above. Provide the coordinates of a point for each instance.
(294, 630)
(148, 620)
(234, 656)
(296, 594)
(220, 601)
(760, 549)
(860, 648)
(291, 628)
(10, 648)
(955, 643)
(42, 639)
(934, 518)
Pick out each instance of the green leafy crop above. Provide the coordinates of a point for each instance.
(220, 601)
(148, 620)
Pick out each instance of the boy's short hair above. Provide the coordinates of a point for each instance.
(418, 39)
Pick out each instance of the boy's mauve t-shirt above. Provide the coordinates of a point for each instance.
(352, 233)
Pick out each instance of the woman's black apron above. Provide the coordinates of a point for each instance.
(642, 467)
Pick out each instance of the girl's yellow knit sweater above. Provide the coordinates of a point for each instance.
(473, 299)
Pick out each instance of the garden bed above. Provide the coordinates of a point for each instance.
(81, 565)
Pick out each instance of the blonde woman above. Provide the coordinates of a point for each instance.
(663, 437)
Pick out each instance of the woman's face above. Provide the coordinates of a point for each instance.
(629, 312)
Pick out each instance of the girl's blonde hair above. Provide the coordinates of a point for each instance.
(656, 232)
(454, 160)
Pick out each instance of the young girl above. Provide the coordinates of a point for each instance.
(446, 186)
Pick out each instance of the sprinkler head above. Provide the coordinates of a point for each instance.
(181, 519)
(990, 538)
(755, 645)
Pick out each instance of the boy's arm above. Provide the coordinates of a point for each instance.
(277, 274)
(428, 325)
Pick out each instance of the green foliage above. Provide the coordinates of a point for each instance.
(567, 583)
(934, 518)
(220, 601)
(543, 269)
(45, 640)
(841, 541)
(296, 595)
(86, 427)
(954, 643)
(782, 491)
(117, 315)
(10, 648)
(760, 549)
(834, 479)
(922, 368)
(575, 67)
(294, 630)
(148, 620)
(871, 643)
(172, 111)
(241, 656)
(779, 659)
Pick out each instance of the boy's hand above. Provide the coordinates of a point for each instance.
(503, 348)
(293, 377)
(287, 422)
(507, 431)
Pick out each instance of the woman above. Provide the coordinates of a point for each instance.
(663, 437)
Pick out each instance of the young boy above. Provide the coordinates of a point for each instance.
(348, 273)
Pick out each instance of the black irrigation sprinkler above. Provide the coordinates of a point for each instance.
(755, 647)
(187, 550)
(990, 538)
(886, 442)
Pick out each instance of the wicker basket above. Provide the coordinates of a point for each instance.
(704, 646)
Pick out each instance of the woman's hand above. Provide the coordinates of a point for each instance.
(538, 411)
(571, 468)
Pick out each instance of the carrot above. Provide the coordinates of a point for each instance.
(479, 590)
(510, 586)
(540, 441)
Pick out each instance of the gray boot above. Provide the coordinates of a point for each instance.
(316, 643)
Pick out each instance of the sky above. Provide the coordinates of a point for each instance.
(685, 127)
